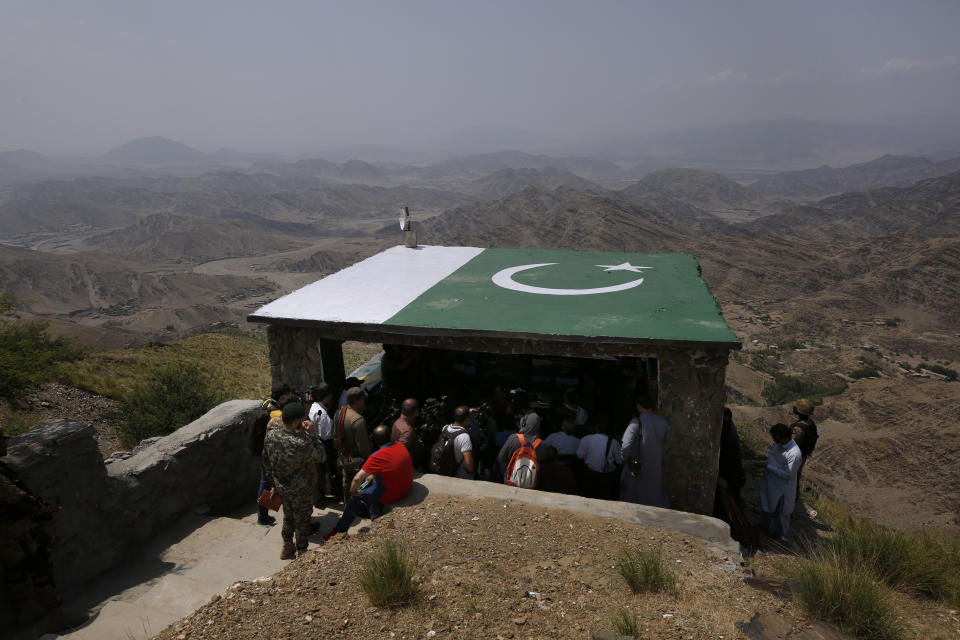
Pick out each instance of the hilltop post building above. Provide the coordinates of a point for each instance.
(608, 323)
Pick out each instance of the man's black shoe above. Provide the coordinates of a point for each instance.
(267, 521)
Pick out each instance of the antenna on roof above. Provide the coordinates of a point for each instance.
(409, 235)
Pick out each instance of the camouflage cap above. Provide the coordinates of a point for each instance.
(804, 407)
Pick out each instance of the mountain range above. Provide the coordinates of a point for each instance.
(885, 171)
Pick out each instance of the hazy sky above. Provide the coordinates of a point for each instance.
(83, 76)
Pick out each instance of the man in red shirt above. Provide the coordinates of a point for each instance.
(385, 477)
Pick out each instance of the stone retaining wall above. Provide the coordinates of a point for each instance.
(108, 508)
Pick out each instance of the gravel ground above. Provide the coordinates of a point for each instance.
(488, 569)
(54, 401)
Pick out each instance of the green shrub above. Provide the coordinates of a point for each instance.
(845, 595)
(28, 356)
(174, 395)
(388, 576)
(646, 571)
(786, 388)
(868, 370)
(625, 623)
(790, 344)
(951, 374)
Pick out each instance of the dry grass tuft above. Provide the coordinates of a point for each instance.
(388, 576)
(646, 571)
(625, 623)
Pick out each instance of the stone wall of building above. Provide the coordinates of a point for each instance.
(106, 509)
(692, 392)
(294, 356)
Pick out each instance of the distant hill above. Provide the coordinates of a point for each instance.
(703, 189)
(353, 170)
(58, 206)
(89, 204)
(929, 208)
(789, 141)
(560, 219)
(25, 158)
(21, 164)
(112, 292)
(231, 156)
(12, 172)
(320, 262)
(168, 238)
(886, 171)
(506, 181)
(155, 150)
(486, 163)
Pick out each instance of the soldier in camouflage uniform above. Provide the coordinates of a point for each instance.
(290, 455)
(25, 535)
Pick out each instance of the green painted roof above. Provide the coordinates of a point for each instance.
(469, 291)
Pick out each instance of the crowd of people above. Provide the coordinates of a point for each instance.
(316, 453)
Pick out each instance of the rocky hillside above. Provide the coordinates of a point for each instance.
(704, 189)
(107, 203)
(559, 219)
(167, 238)
(928, 208)
(886, 171)
(485, 163)
(508, 181)
(100, 289)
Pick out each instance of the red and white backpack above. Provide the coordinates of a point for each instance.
(522, 469)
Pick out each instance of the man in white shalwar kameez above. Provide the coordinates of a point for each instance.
(778, 487)
(642, 481)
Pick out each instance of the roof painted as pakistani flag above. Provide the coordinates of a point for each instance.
(658, 297)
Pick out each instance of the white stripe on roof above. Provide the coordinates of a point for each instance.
(374, 290)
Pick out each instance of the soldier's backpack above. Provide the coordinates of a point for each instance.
(522, 469)
(256, 425)
(805, 434)
(442, 458)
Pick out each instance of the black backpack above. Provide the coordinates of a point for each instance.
(442, 459)
(256, 426)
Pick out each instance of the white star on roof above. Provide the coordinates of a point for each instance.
(623, 266)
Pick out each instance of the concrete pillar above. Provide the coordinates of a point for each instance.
(692, 391)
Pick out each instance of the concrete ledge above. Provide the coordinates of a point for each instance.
(715, 533)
